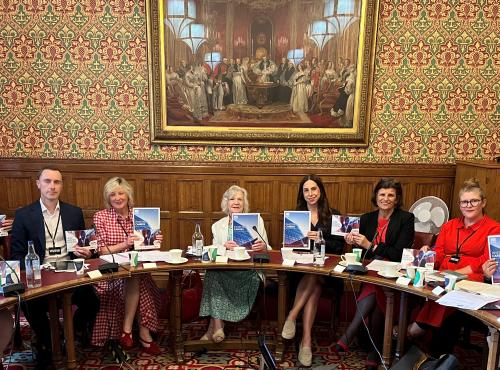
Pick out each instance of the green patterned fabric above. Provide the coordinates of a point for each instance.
(229, 294)
(74, 85)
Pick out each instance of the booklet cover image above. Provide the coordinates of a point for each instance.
(81, 238)
(343, 225)
(243, 233)
(146, 227)
(296, 225)
(494, 250)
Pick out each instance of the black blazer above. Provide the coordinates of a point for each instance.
(400, 234)
(28, 225)
(333, 243)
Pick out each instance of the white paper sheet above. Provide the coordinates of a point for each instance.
(304, 258)
(465, 300)
(378, 265)
(153, 256)
(120, 258)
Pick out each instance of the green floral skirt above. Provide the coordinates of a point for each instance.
(229, 294)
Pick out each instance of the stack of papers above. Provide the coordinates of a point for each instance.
(480, 288)
(465, 300)
(378, 265)
(154, 256)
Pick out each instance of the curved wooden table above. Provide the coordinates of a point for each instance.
(55, 285)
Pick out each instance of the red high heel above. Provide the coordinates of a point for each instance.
(371, 365)
(341, 347)
(152, 348)
(126, 340)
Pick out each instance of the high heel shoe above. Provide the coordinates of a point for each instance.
(288, 331)
(371, 365)
(205, 337)
(126, 340)
(305, 355)
(151, 348)
(341, 348)
(218, 336)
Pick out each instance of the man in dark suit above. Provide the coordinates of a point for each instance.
(45, 222)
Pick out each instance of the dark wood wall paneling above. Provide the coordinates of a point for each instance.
(190, 194)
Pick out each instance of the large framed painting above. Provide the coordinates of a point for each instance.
(261, 72)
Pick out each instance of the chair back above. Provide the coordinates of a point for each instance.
(422, 239)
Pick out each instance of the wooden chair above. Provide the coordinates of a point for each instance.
(5, 243)
(422, 239)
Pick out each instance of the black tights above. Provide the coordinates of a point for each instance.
(367, 308)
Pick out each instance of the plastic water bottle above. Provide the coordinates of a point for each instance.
(319, 249)
(197, 241)
(32, 263)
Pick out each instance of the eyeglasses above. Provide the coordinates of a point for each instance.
(469, 203)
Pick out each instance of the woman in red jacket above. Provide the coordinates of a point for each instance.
(462, 247)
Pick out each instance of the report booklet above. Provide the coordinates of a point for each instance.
(343, 225)
(418, 258)
(243, 233)
(494, 251)
(146, 227)
(296, 225)
(81, 238)
(7, 275)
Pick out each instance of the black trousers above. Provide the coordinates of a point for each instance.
(36, 312)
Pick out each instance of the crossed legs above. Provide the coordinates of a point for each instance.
(306, 298)
(132, 295)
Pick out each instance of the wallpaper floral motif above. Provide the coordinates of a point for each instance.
(74, 84)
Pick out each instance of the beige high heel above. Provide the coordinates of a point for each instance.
(218, 336)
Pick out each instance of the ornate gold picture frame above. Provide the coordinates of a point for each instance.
(267, 72)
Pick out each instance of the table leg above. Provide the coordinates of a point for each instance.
(54, 331)
(282, 305)
(493, 352)
(389, 311)
(68, 330)
(175, 287)
(403, 323)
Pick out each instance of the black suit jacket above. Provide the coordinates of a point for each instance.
(333, 243)
(400, 234)
(28, 225)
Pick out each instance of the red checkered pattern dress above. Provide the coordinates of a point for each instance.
(109, 320)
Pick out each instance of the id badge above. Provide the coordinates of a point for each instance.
(455, 259)
(54, 251)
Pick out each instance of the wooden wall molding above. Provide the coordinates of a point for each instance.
(191, 193)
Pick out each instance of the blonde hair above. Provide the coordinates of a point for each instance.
(118, 182)
(229, 193)
(472, 184)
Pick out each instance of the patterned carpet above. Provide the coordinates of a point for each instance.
(324, 358)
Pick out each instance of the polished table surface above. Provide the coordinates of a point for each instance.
(61, 284)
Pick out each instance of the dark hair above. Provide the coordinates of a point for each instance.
(324, 212)
(389, 183)
(47, 167)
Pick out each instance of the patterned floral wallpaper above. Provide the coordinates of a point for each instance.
(74, 84)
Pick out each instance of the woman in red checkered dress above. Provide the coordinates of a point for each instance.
(124, 299)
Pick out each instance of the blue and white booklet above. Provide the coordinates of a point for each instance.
(146, 227)
(9, 274)
(494, 251)
(296, 225)
(243, 232)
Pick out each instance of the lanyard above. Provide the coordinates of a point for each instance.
(123, 228)
(459, 247)
(53, 237)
